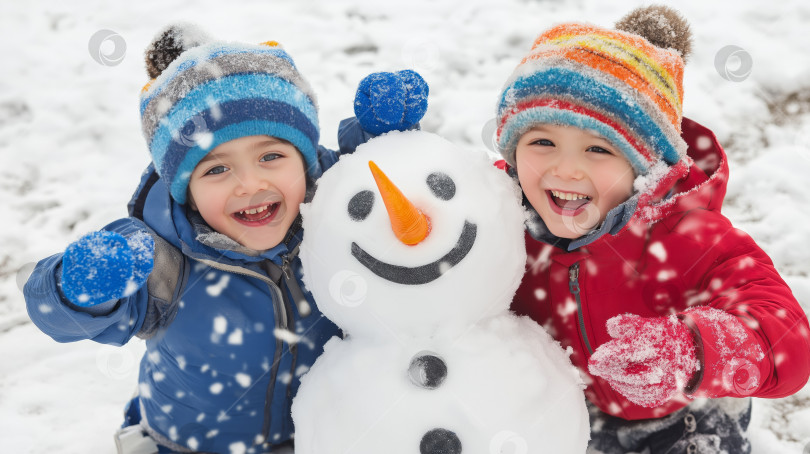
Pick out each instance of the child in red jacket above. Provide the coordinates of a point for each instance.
(630, 261)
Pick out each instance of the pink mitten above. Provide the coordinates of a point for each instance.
(649, 361)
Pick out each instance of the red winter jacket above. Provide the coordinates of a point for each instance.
(674, 254)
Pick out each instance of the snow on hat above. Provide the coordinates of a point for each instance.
(204, 93)
(625, 84)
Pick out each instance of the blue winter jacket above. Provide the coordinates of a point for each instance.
(228, 334)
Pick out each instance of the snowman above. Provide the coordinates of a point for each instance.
(414, 247)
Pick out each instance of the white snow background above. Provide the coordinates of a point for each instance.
(71, 151)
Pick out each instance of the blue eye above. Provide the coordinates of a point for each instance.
(270, 157)
(216, 170)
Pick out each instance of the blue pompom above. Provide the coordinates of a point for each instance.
(102, 266)
(390, 101)
(417, 99)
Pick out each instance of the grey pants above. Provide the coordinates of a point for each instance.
(705, 426)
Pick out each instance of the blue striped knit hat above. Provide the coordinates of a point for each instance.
(204, 93)
(625, 84)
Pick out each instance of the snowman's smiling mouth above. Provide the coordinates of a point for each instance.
(419, 274)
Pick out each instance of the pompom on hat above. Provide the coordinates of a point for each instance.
(625, 84)
(204, 93)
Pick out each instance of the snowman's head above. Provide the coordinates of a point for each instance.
(411, 233)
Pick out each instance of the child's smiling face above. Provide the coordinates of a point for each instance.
(250, 189)
(572, 177)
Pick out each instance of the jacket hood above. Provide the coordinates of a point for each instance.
(697, 181)
(186, 230)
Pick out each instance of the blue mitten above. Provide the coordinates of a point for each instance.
(102, 266)
(390, 101)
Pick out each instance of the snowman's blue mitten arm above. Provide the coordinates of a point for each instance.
(103, 266)
(350, 136)
(388, 101)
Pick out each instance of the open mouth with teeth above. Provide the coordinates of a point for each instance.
(568, 203)
(257, 216)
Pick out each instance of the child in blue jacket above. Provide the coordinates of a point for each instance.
(205, 269)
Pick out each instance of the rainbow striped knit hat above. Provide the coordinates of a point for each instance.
(626, 85)
(204, 93)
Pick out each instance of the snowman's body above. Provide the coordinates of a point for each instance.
(433, 361)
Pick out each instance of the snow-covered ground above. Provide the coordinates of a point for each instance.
(71, 149)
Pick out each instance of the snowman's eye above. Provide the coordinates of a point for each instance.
(442, 185)
(360, 205)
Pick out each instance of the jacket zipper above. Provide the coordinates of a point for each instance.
(573, 286)
(279, 348)
(284, 313)
(286, 318)
(281, 318)
(286, 270)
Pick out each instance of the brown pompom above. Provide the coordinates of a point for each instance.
(661, 25)
(169, 44)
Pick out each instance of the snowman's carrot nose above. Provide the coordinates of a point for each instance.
(409, 224)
